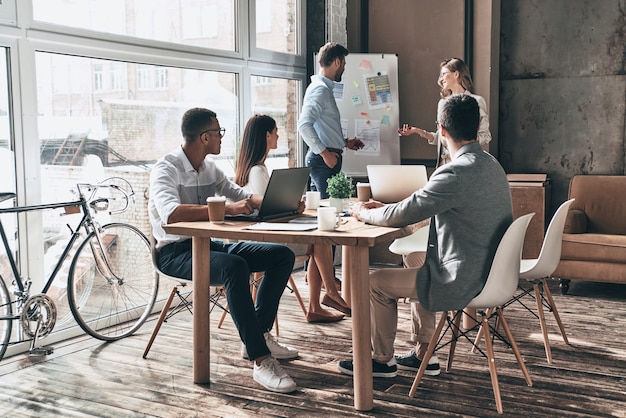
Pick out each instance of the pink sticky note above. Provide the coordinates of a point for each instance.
(363, 113)
(365, 64)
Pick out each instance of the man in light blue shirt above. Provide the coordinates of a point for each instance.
(320, 122)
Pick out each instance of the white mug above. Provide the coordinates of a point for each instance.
(327, 219)
(312, 200)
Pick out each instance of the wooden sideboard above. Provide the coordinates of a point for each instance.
(531, 193)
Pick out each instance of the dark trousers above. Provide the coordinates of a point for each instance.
(231, 265)
(320, 172)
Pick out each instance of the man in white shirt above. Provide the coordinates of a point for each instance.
(180, 182)
(320, 121)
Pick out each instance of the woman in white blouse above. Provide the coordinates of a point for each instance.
(259, 138)
(454, 78)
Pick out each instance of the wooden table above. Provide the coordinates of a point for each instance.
(355, 238)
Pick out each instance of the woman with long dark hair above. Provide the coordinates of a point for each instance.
(259, 138)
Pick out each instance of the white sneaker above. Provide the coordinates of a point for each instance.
(278, 350)
(272, 377)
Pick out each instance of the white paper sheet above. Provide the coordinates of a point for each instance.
(282, 226)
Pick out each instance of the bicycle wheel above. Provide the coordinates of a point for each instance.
(112, 290)
(6, 317)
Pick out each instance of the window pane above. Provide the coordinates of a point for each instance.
(7, 162)
(278, 98)
(7, 167)
(204, 23)
(276, 25)
(116, 119)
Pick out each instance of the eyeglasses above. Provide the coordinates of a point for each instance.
(220, 131)
(443, 73)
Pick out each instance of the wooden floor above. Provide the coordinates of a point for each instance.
(85, 377)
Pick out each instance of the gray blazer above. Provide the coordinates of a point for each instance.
(469, 201)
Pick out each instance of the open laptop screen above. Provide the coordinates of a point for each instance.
(393, 183)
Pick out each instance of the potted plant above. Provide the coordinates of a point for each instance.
(339, 190)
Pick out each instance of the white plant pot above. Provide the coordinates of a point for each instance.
(339, 203)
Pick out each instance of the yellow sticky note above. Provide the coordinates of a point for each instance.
(355, 83)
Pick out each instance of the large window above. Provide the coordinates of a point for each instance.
(205, 23)
(102, 90)
(277, 98)
(7, 162)
(277, 25)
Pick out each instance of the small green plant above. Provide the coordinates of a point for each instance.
(340, 186)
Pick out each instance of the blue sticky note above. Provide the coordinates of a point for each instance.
(385, 120)
(356, 100)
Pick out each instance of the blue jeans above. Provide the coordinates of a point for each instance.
(231, 265)
(320, 172)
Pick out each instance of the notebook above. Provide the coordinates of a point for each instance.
(282, 196)
(393, 183)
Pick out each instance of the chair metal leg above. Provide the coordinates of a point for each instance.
(157, 327)
(429, 353)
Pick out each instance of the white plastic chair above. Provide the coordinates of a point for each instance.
(538, 269)
(417, 241)
(500, 285)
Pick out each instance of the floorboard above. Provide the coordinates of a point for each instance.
(85, 377)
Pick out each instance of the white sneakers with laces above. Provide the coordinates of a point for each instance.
(278, 350)
(271, 376)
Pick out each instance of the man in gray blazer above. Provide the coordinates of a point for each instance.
(469, 203)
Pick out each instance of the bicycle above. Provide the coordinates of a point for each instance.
(111, 283)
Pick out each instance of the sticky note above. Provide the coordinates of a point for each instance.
(355, 83)
(365, 64)
(363, 113)
(356, 100)
(384, 120)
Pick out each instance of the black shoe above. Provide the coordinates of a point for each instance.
(378, 369)
(409, 361)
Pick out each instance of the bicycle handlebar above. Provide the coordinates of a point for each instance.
(102, 203)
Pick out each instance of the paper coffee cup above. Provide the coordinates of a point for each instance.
(363, 192)
(217, 208)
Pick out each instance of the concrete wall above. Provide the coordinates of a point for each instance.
(562, 89)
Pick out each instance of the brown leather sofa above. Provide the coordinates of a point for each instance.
(594, 237)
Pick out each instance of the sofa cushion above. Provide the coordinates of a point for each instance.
(603, 200)
(594, 247)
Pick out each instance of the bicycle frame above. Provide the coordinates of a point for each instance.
(87, 223)
(84, 222)
(123, 298)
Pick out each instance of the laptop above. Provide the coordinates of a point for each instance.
(282, 196)
(393, 183)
